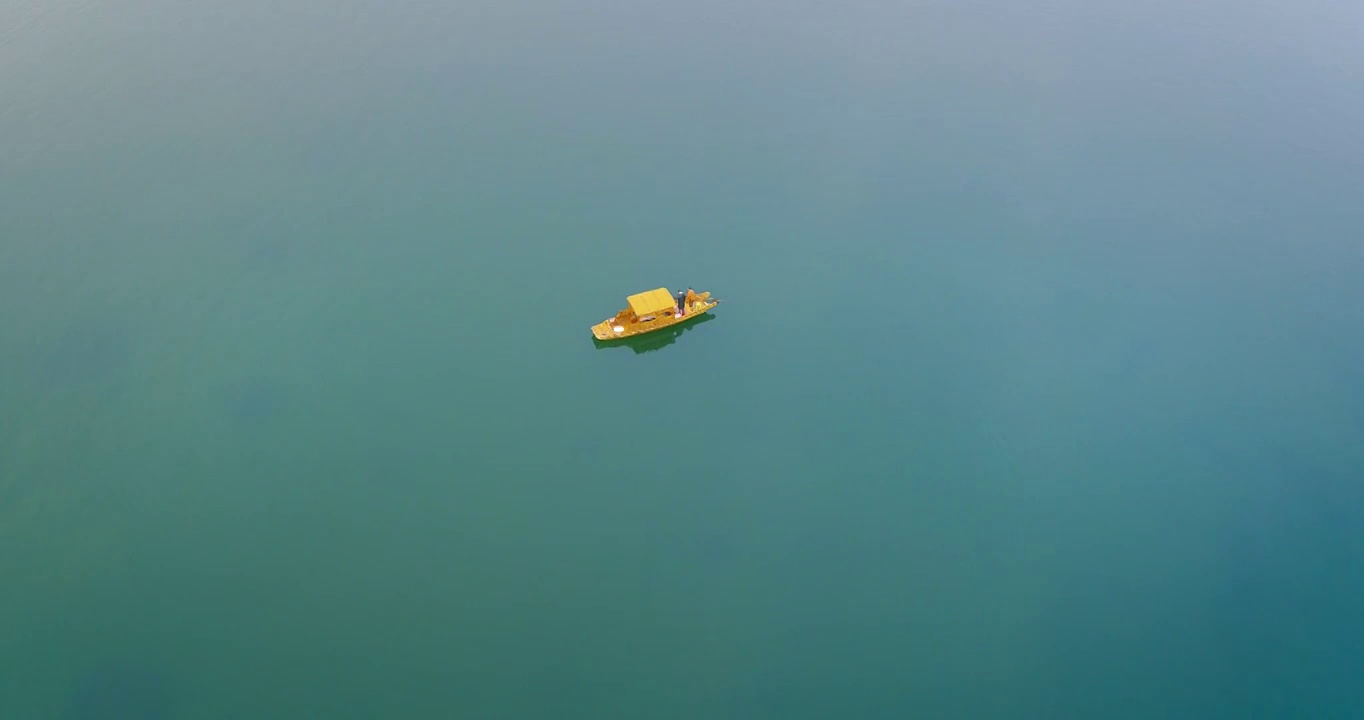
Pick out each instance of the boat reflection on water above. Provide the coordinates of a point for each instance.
(656, 340)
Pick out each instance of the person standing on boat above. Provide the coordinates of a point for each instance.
(682, 302)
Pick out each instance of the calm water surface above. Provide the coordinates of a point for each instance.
(1037, 391)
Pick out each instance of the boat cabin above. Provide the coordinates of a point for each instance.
(647, 306)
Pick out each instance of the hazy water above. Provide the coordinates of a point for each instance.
(1037, 391)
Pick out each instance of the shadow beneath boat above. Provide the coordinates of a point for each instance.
(656, 340)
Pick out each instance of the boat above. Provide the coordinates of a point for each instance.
(654, 310)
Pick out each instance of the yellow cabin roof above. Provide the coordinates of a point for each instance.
(653, 301)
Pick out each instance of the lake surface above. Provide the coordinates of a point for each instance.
(1037, 389)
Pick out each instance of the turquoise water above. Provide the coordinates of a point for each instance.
(1036, 391)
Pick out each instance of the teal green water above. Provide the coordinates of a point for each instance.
(1036, 391)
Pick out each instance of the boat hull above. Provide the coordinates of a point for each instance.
(605, 331)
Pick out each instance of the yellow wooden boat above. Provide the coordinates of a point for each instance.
(654, 310)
